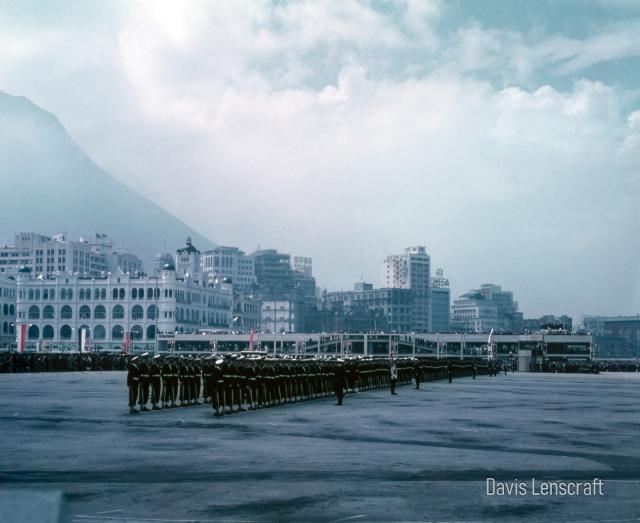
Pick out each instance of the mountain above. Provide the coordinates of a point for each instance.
(49, 185)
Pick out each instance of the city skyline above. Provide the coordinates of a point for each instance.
(508, 145)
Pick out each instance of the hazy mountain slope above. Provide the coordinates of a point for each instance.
(48, 184)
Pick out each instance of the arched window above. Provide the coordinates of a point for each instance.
(37, 294)
(115, 294)
(103, 294)
(99, 332)
(99, 313)
(65, 332)
(48, 312)
(117, 333)
(47, 332)
(5, 327)
(82, 294)
(117, 313)
(134, 294)
(5, 309)
(34, 312)
(96, 294)
(151, 332)
(34, 332)
(156, 293)
(137, 312)
(136, 332)
(12, 310)
(87, 294)
(52, 294)
(149, 293)
(84, 313)
(63, 294)
(152, 312)
(121, 294)
(70, 294)
(45, 294)
(141, 294)
(66, 313)
(30, 294)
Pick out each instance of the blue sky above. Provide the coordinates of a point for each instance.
(504, 136)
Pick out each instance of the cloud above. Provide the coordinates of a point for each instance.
(345, 132)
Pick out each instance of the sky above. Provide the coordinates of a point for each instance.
(502, 135)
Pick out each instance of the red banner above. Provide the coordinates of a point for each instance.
(22, 336)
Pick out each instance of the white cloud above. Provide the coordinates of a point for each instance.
(278, 126)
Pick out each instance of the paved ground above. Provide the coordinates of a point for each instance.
(420, 456)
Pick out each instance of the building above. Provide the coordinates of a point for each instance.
(51, 256)
(614, 336)
(303, 265)
(230, 263)
(247, 313)
(187, 261)
(548, 322)
(118, 310)
(273, 271)
(411, 270)
(439, 303)
(390, 306)
(280, 316)
(486, 308)
(7, 309)
(474, 312)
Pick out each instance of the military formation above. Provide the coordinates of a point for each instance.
(233, 383)
(18, 362)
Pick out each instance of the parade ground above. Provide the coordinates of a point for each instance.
(424, 455)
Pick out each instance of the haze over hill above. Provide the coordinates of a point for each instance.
(56, 187)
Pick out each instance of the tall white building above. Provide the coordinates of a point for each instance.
(117, 310)
(231, 263)
(411, 270)
(58, 254)
(474, 312)
(439, 303)
(7, 309)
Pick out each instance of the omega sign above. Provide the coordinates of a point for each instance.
(439, 280)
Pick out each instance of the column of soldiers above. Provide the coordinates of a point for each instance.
(235, 383)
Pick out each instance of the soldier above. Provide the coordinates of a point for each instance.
(417, 370)
(145, 381)
(185, 387)
(340, 381)
(167, 386)
(156, 382)
(393, 377)
(133, 381)
(474, 371)
(450, 372)
(217, 393)
(206, 380)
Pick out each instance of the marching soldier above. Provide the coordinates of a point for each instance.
(145, 381)
(156, 382)
(167, 385)
(417, 370)
(450, 372)
(340, 381)
(217, 393)
(133, 382)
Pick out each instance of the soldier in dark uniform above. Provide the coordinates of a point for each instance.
(339, 380)
(185, 387)
(450, 372)
(156, 382)
(133, 382)
(206, 380)
(145, 382)
(417, 371)
(167, 386)
(474, 371)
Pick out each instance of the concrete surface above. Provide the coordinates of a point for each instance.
(419, 456)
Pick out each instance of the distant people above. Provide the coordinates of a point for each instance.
(450, 372)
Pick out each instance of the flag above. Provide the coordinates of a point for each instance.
(22, 336)
(490, 346)
(83, 339)
(251, 335)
